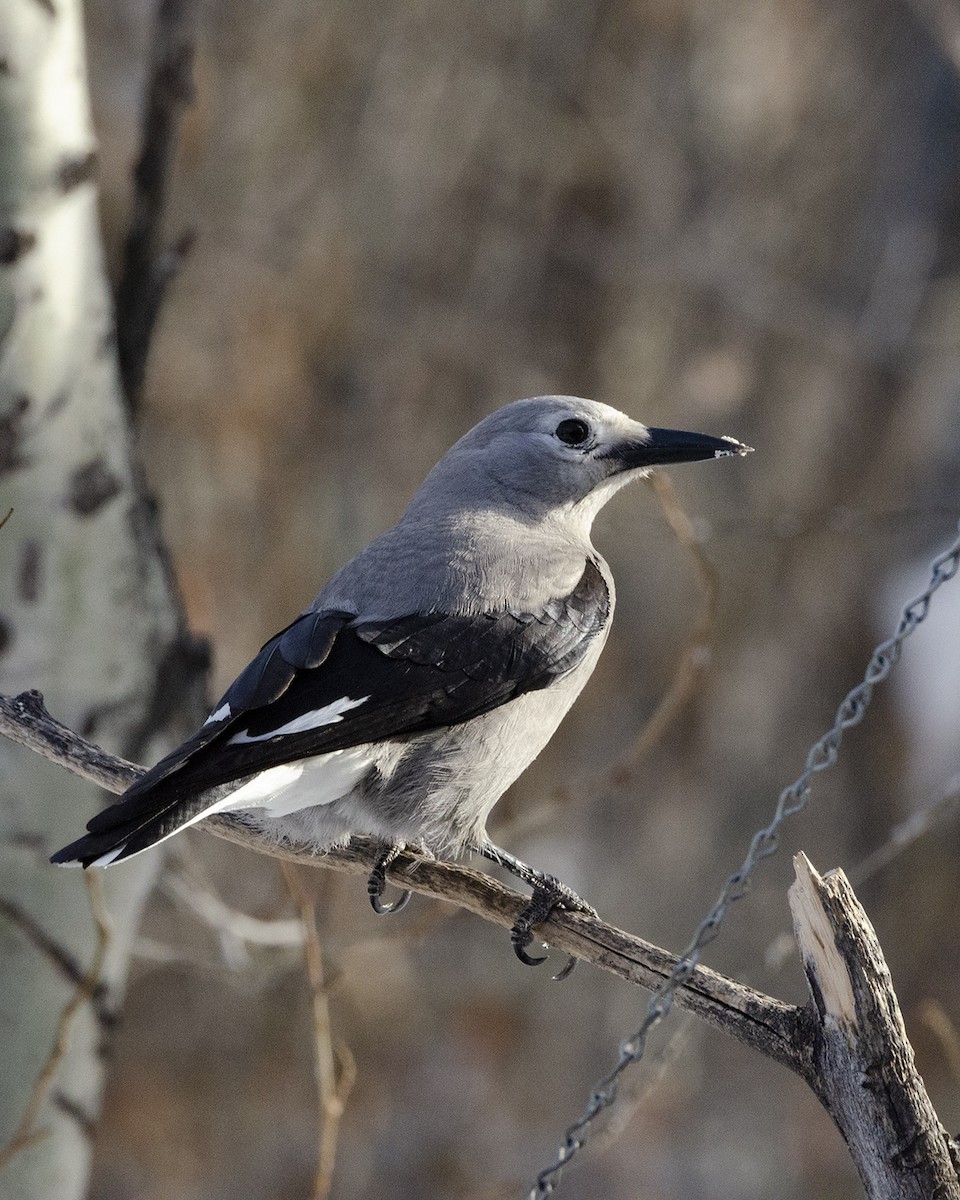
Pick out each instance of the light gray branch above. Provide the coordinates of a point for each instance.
(766, 1024)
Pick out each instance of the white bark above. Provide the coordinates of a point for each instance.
(86, 610)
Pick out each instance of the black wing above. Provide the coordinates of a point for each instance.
(420, 672)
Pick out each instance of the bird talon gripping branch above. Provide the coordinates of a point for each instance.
(377, 883)
(549, 893)
(547, 896)
(432, 669)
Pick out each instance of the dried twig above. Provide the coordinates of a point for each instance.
(27, 1132)
(148, 266)
(235, 930)
(695, 656)
(863, 1068)
(901, 836)
(336, 1070)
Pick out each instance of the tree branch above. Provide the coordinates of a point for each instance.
(849, 1044)
(863, 1067)
(761, 1022)
(148, 266)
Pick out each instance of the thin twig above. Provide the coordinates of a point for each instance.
(49, 947)
(6, 518)
(695, 656)
(336, 1070)
(148, 266)
(936, 1018)
(234, 929)
(27, 1133)
(903, 835)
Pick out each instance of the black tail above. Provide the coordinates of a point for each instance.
(131, 826)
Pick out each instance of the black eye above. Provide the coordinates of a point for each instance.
(573, 432)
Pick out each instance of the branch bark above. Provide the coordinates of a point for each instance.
(766, 1024)
(862, 1065)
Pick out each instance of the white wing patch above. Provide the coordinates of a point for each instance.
(330, 714)
(223, 713)
(256, 792)
(105, 859)
(280, 791)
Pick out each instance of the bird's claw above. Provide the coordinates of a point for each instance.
(546, 897)
(377, 883)
(521, 935)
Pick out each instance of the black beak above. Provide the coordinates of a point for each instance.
(666, 446)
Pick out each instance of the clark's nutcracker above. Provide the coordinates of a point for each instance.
(433, 667)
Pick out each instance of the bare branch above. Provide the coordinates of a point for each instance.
(25, 720)
(335, 1068)
(695, 655)
(760, 1021)
(149, 265)
(853, 1031)
(863, 1067)
(27, 1132)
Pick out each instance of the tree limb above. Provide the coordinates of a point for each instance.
(863, 1067)
(762, 1022)
(849, 1044)
(147, 265)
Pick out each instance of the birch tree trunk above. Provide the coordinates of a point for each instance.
(87, 610)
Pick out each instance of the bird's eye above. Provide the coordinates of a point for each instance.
(573, 432)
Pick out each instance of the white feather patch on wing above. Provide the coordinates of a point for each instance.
(222, 714)
(330, 714)
(277, 791)
(106, 859)
(316, 781)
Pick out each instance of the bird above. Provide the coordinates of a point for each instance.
(431, 669)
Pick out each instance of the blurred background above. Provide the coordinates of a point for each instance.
(734, 216)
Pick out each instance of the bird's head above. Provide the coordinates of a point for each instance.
(558, 455)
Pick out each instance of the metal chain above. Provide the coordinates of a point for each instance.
(764, 843)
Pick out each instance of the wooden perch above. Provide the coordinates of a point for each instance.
(762, 1022)
(861, 1064)
(849, 1043)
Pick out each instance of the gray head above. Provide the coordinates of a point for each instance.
(555, 455)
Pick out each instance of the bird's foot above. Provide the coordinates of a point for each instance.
(549, 893)
(377, 882)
